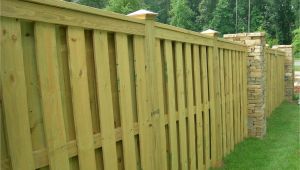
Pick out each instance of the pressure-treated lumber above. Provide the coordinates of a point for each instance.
(80, 98)
(100, 41)
(97, 90)
(14, 95)
(51, 95)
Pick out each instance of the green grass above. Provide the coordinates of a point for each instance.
(278, 150)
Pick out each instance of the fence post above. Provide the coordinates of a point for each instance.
(256, 80)
(288, 70)
(216, 136)
(156, 146)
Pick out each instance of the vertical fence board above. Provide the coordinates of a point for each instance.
(234, 91)
(245, 79)
(231, 104)
(142, 105)
(100, 42)
(51, 97)
(125, 100)
(227, 99)
(65, 88)
(4, 157)
(238, 57)
(212, 73)
(161, 142)
(207, 105)
(80, 98)
(170, 84)
(181, 106)
(223, 106)
(35, 113)
(199, 107)
(14, 94)
(190, 106)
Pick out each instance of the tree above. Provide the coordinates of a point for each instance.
(223, 18)
(283, 20)
(296, 42)
(181, 14)
(161, 7)
(125, 6)
(206, 9)
(94, 3)
(296, 10)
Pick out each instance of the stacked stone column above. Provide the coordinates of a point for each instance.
(289, 70)
(256, 80)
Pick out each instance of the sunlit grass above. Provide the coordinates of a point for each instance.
(278, 150)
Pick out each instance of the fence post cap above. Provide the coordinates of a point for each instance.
(211, 32)
(143, 14)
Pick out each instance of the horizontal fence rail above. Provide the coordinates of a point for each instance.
(88, 89)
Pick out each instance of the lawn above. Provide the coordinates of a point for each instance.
(297, 68)
(279, 150)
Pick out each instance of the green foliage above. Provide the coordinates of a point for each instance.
(284, 18)
(162, 7)
(181, 14)
(296, 97)
(223, 13)
(276, 17)
(206, 9)
(125, 6)
(94, 3)
(296, 10)
(296, 42)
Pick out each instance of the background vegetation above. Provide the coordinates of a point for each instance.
(278, 18)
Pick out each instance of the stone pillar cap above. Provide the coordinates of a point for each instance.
(252, 34)
(282, 46)
(211, 32)
(143, 14)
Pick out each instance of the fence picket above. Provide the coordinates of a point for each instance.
(125, 100)
(181, 105)
(100, 42)
(199, 106)
(170, 84)
(51, 96)
(190, 106)
(14, 95)
(80, 98)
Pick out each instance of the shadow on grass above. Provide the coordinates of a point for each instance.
(278, 150)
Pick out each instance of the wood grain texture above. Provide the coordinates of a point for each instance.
(15, 96)
(181, 105)
(80, 98)
(101, 56)
(58, 15)
(190, 106)
(206, 103)
(125, 100)
(199, 107)
(170, 84)
(51, 96)
(212, 73)
(144, 115)
(162, 148)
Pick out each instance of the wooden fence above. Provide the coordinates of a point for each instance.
(274, 79)
(87, 89)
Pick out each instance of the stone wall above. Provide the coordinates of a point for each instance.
(289, 70)
(256, 80)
